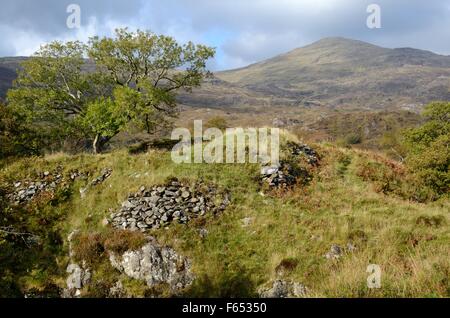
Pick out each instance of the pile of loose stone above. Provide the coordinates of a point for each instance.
(25, 191)
(297, 149)
(278, 176)
(158, 206)
(105, 174)
(284, 175)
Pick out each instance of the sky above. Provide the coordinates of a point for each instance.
(242, 31)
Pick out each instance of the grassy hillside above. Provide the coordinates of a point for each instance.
(258, 238)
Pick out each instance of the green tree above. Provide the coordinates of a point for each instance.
(131, 78)
(16, 138)
(429, 148)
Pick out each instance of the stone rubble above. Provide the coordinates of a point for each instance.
(279, 176)
(158, 206)
(297, 149)
(284, 175)
(26, 191)
(155, 265)
(104, 174)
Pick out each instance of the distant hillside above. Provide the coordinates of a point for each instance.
(8, 68)
(340, 72)
(332, 73)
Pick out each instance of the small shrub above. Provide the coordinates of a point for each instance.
(122, 241)
(88, 248)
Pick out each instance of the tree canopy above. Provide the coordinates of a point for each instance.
(99, 88)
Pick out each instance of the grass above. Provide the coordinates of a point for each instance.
(287, 237)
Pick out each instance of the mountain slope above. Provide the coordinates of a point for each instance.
(343, 72)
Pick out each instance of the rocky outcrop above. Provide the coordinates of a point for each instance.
(283, 289)
(158, 206)
(155, 265)
(79, 276)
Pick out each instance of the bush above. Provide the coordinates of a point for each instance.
(428, 149)
(91, 247)
(122, 241)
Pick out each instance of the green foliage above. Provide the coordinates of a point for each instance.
(134, 79)
(152, 67)
(428, 148)
(16, 138)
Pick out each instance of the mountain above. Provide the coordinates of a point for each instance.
(333, 73)
(338, 72)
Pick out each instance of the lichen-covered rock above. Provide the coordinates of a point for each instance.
(155, 265)
(283, 289)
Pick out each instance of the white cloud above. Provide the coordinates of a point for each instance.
(244, 31)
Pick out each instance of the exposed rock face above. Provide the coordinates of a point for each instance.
(155, 265)
(162, 205)
(283, 289)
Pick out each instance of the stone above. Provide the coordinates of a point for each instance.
(334, 253)
(269, 170)
(167, 204)
(185, 194)
(155, 264)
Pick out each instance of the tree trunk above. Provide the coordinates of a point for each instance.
(99, 142)
(96, 144)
